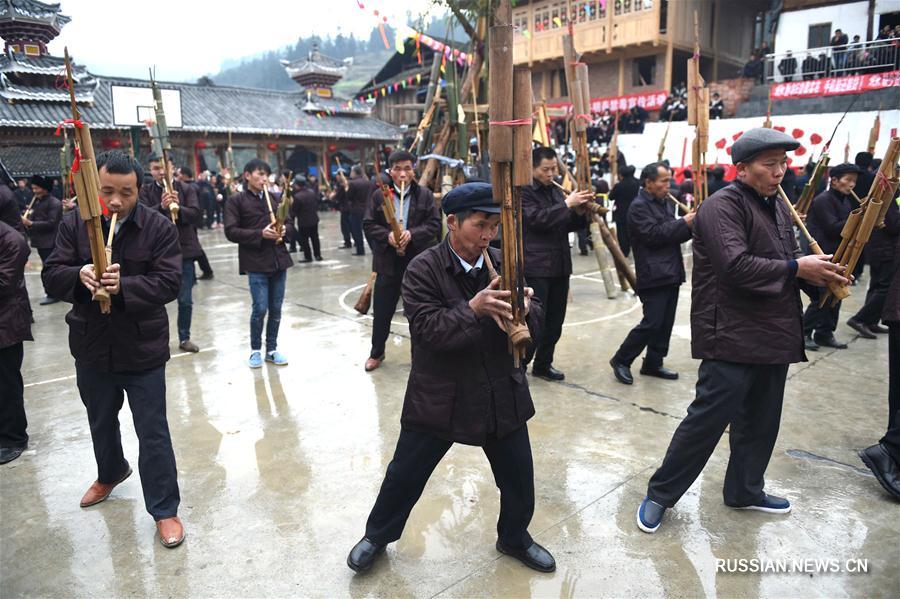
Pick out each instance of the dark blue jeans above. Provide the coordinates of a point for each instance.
(185, 300)
(267, 292)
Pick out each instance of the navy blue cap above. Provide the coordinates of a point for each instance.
(846, 168)
(470, 196)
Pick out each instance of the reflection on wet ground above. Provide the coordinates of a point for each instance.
(279, 467)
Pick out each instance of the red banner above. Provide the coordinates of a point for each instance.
(646, 100)
(834, 86)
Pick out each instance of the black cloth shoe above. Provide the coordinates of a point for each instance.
(8, 454)
(659, 372)
(48, 300)
(830, 341)
(809, 344)
(207, 276)
(883, 466)
(319, 258)
(622, 372)
(363, 555)
(535, 557)
(305, 260)
(878, 329)
(861, 329)
(359, 253)
(292, 250)
(346, 246)
(549, 373)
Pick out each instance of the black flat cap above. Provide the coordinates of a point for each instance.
(470, 196)
(843, 169)
(42, 181)
(754, 141)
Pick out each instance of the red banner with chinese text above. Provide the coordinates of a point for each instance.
(646, 100)
(834, 86)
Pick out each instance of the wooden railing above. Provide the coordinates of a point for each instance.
(539, 26)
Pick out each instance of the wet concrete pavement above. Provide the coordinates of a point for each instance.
(279, 467)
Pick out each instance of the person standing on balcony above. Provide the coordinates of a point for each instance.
(839, 53)
(788, 66)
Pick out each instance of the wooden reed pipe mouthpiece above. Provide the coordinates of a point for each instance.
(518, 333)
(684, 207)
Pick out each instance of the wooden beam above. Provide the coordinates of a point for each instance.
(717, 9)
(621, 75)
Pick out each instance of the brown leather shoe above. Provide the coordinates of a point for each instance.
(373, 363)
(188, 346)
(171, 531)
(100, 491)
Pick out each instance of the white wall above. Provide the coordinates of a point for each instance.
(852, 18)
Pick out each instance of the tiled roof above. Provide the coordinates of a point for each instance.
(25, 161)
(216, 109)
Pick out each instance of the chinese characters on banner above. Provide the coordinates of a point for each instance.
(646, 100)
(834, 86)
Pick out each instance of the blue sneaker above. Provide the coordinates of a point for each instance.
(276, 358)
(649, 515)
(769, 504)
(255, 360)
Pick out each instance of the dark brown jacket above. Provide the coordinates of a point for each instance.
(356, 197)
(745, 304)
(827, 215)
(424, 225)
(305, 208)
(134, 336)
(15, 310)
(462, 384)
(45, 216)
(9, 209)
(189, 214)
(882, 243)
(656, 238)
(891, 312)
(246, 215)
(546, 224)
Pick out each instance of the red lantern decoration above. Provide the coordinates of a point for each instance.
(112, 144)
(200, 145)
(332, 148)
(273, 147)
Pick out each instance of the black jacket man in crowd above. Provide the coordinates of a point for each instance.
(42, 221)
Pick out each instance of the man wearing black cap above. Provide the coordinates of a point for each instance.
(547, 219)
(657, 237)
(827, 215)
(42, 221)
(463, 386)
(419, 221)
(746, 327)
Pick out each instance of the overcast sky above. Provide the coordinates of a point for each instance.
(189, 38)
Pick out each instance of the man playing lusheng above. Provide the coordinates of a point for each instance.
(746, 327)
(463, 386)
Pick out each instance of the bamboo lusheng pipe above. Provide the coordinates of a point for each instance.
(279, 227)
(518, 333)
(886, 179)
(684, 207)
(110, 235)
(662, 142)
(622, 265)
(873, 133)
(87, 188)
(163, 131)
(698, 115)
(390, 215)
(364, 302)
(27, 213)
(809, 190)
(837, 290)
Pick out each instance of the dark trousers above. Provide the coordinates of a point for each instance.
(584, 240)
(203, 263)
(13, 423)
(820, 322)
(185, 300)
(103, 394)
(345, 227)
(881, 272)
(891, 439)
(356, 230)
(554, 295)
(622, 236)
(307, 234)
(44, 253)
(386, 294)
(747, 397)
(416, 457)
(654, 330)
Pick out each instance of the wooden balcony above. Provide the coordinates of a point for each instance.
(538, 38)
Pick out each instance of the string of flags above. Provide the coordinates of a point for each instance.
(392, 88)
